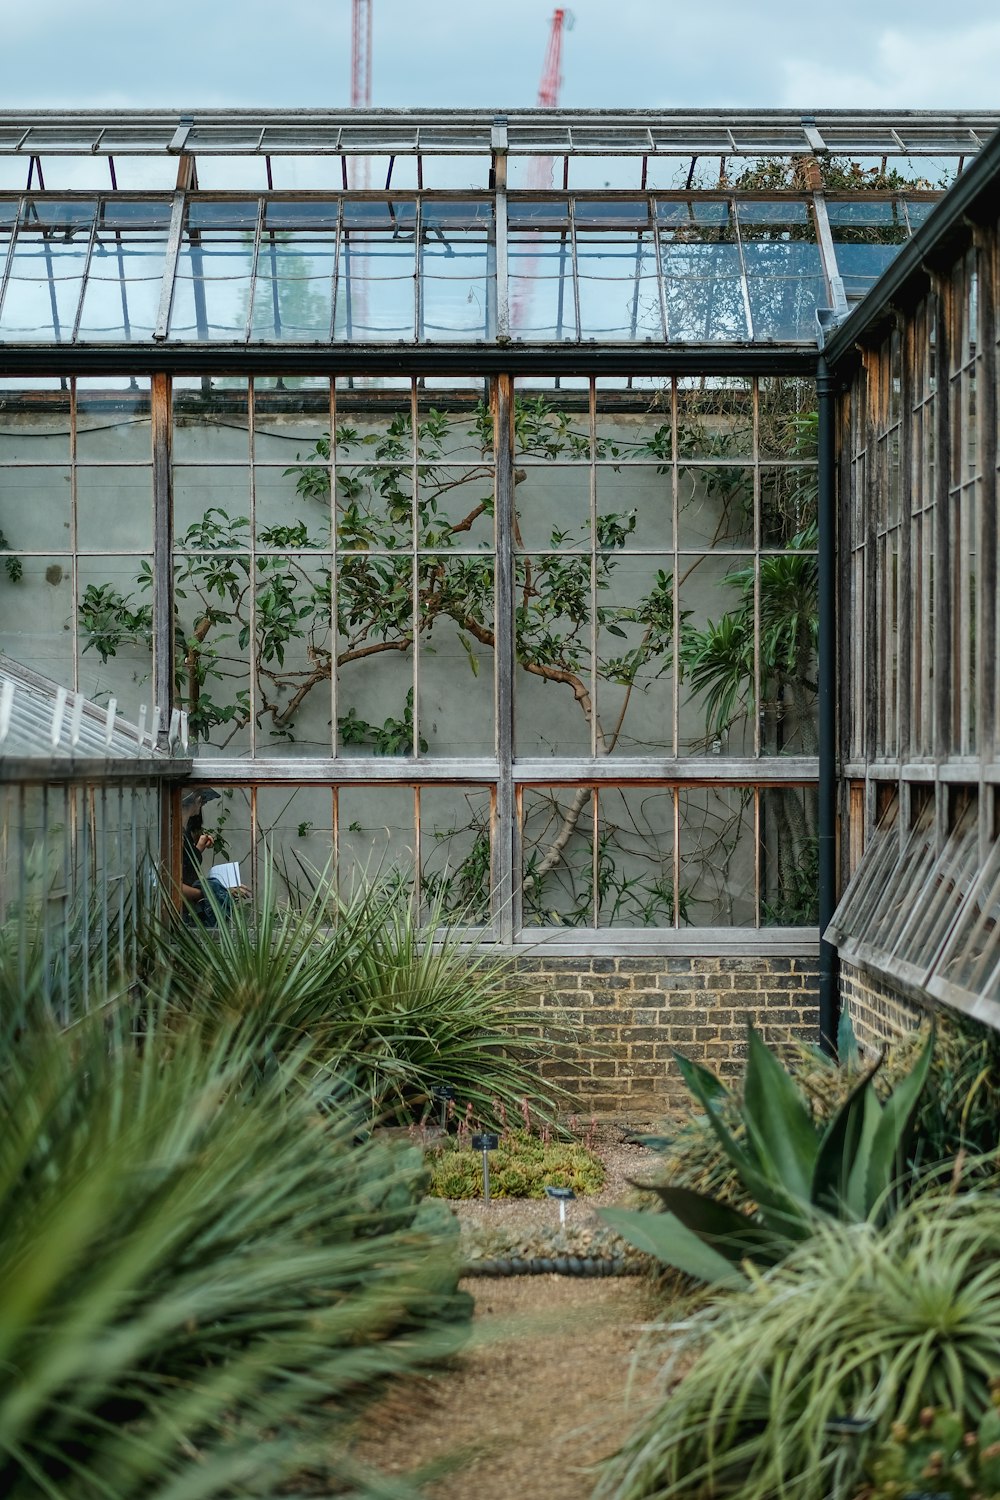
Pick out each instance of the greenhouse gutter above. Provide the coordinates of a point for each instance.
(468, 360)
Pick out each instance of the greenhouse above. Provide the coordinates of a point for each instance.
(469, 484)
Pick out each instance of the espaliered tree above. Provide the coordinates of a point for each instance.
(270, 612)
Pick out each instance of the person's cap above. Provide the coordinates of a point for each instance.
(200, 794)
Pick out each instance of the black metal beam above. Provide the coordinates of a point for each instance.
(379, 359)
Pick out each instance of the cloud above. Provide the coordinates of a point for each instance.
(927, 69)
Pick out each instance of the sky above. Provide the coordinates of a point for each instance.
(655, 54)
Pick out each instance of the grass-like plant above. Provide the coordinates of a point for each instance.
(800, 1375)
(198, 1277)
(522, 1166)
(394, 1005)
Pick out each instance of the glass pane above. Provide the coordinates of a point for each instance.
(113, 424)
(553, 692)
(293, 292)
(789, 626)
(455, 851)
(717, 652)
(34, 422)
(375, 835)
(635, 652)
(114, 504)
(295, 831)
(715, 506)
(619, 288)
(717, 854)
(375, 702)
(292, 628)
(211, 507)
(789, 857)
(35, 509)
(36, 615)
(541, 286)
(455, 295)
(212, 592)
(635, 857)
(114, 620)
(553, 508)
(788, 498)
(715, 417)
(211, 424)
(457, 654)
(557, 856)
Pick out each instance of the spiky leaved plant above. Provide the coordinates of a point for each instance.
(393, 1004)
(199, 1275)
(858, 1329)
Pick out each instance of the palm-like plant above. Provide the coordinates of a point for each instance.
(192, 1269)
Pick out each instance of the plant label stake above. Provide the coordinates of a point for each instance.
(562, 1197)
(486, 1143)
(443, 1093)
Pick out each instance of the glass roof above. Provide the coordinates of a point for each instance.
(310, 228)
(420, 268)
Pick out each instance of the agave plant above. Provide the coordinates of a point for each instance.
(791, 1168)
(192, 1271)
(792, 1382)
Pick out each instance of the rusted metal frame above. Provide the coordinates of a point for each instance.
(506, 853)
(254, 261)
(904, 594)
(85, 274)
(675, 624)
(220, 359)
(872, 669)
(415, 601)
(596, 745)
(251, 461)
(575, 264)
(418, 285)
(744, 283)
(758, 685)
(9, 257)
(334, 581)
(828, 257)
(164, 646)
(660, 282)
(171, 257)
(986, 241)
(501, 228)
(943, 643)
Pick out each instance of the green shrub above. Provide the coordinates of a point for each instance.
(859, 1323)
(198, 1278)
(522, 1167)
(394, 1006)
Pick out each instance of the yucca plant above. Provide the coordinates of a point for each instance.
(801, 1374)
(198, 1279)
(393, 1005)
(424, 1005)
(792, 1169)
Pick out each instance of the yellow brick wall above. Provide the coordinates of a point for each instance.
(615, 1022)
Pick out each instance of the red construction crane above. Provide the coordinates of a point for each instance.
(548, 89)
(539, 175)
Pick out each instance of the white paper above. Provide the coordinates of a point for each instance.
(227, 875)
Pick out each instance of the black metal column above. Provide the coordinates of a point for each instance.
(829, 992)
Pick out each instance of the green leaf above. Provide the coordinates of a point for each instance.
(841, 1171)
(710, 1087)
(778, 1121)
(723, 1228)
(666, 1238)
(888, 1150)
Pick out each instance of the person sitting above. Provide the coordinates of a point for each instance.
(205, 897)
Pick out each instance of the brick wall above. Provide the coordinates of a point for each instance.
(622, 1018)
(879, 1011)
